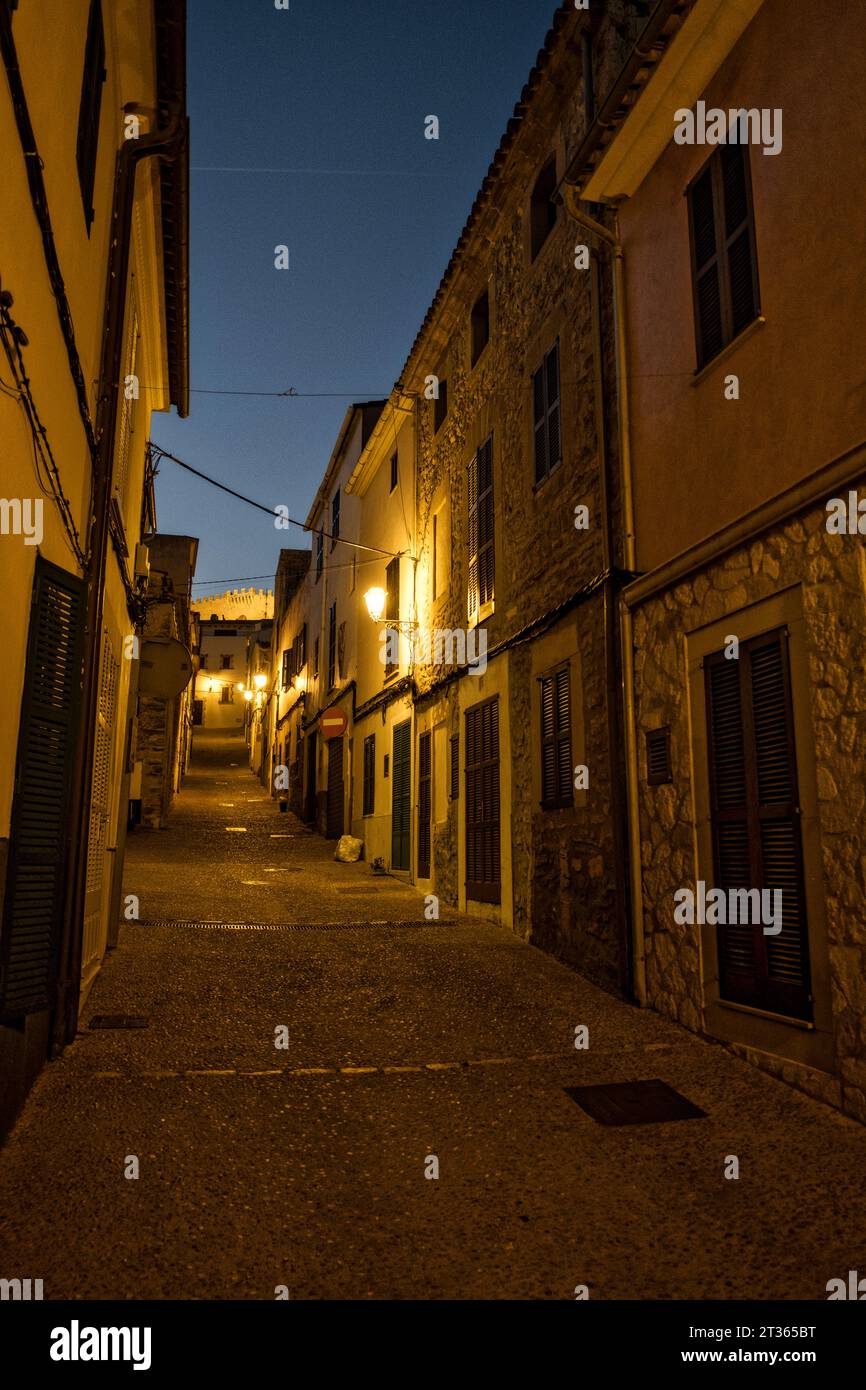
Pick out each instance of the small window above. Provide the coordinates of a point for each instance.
(480, 326)
(557, 785)
(335, 518)
(395, 470)
(542, 208)
(287, 669)
(227, 695)
(89, 109)
(316, 658)
(481, 522)
(369, 774)
(386, 766)
(332, 645)
(454, 787)
(227, 663)
(658, 756)
(202, 662)
(320, 550)
(724, 260)
(440, 406)
(546, 415)
(392, 610)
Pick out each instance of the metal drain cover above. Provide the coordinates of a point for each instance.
(634, 1103)
(119, 1021)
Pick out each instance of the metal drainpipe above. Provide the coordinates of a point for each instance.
(611, 240)
(167, 143)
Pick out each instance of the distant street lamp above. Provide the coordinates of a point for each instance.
(260, 680)
(248, 694)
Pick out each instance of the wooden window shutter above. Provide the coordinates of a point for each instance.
(658, 756)
(485, 522)
(424, 804)
(557, 787)
(723, 249)
(332, 645)
(756, 823)
(89, 108)
(369, 774)
(546, 415)
(38, 848)
(454, 788)
(472, 488)
(482, 802)
(287, 668)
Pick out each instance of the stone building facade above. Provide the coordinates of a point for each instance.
(747, 624)
(520, 333)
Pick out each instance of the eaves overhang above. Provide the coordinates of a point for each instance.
(686, 43)
(170, 24)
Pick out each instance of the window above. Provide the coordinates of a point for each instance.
(454, 788)
(440, 406)
(297, 654)
(441, 551)
(395, 470)
(392, 610)
(724, 261)
(227, 695)
(89, 108)
(335, 518)
(332, 645)
(480, 326)
(202, 662)
(557, 786)
(320, 550)
(482, 802)
(542, 208)
(546, 415)
(369, 774)
(227, 663)
(287, 668)
(658, 756)
(425, 802)
(316, 658)
(481, 556)
(755, 821)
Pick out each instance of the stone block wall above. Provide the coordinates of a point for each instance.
(832, 572)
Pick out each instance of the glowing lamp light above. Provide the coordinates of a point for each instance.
(241, 686)
(375, 601)
(248, 694)
(261, 681)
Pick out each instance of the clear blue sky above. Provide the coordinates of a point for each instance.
(338, 89)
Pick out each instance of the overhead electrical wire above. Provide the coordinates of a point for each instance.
(157, 452)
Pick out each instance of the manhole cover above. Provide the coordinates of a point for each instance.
(119, 1021)
(634, 1103)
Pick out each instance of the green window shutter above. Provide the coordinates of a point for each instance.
(39, 849)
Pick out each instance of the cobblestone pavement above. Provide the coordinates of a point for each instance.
(260, 1167)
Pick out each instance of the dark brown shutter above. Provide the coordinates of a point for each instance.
(557, 787)
(424, 805)
(658, 756)
(539, 412)
(401, 790)
(89, 108)
(454, 789)
(332, 645)
(39, 840)
(724, 261)
(392, 609)
(546, 415)
(482, 803)
(335, 789)
(369, 774)
(756, 823)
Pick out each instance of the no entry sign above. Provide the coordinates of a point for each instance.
(333, 723)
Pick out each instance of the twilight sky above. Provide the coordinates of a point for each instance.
(307, 129)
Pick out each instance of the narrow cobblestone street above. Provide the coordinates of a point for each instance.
(407, 1038)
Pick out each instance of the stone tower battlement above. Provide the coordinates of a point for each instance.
(236, 604)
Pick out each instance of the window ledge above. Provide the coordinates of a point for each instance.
(726, 351)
